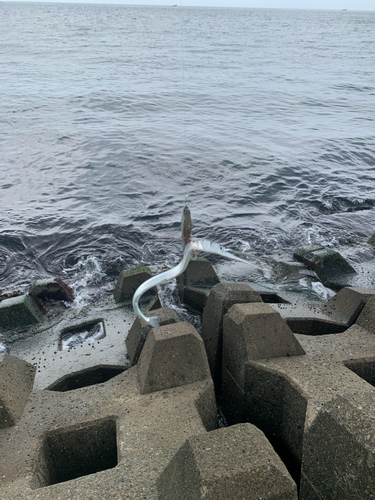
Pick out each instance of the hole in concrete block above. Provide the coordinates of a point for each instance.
(309, 326)
(364, 368)
(85, 378)
(71, 453)
(272, 298)
(81, 334)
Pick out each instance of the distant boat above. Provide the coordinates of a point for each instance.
(175, 5)
(344, 10)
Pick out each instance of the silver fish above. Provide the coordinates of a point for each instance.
(191, 245)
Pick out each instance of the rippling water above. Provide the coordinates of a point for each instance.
(110, 114)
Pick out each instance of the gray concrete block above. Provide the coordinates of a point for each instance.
(335, 316)
(18, 312)
(233, 463)
(172, 356)
(16, 383)
(128, 282)
(196, 298)
(277, 405)
(348, 303)
(367, 317)
(107, 439)
(339, 448)
(61, 363)
(332, 269)
(140, 329)
(220, 300)
(301, 253)
(255, 331)
(288, 271)
(198, 274)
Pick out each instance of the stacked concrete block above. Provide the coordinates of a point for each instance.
(339, 450)
(140, 329)
(288, 271)
(173, 355)
(331, 267)
(236, 462)
(112, 437)
(19, 312)
(221, 298)
(195, 282)
(16, 383)
(367, 317)
(251, 332)
(320, 406)
(128, 282)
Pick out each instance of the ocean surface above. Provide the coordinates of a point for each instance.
(111, 114)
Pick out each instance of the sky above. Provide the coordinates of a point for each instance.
(265, 4)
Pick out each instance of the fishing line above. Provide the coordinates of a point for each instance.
(184, 147)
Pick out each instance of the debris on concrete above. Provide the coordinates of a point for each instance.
(9, 295)
(48, 290)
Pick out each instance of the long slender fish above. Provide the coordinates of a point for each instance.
(191, 245)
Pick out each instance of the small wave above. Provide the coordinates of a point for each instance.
(334, 204)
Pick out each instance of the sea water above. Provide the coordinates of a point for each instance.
(111, 114)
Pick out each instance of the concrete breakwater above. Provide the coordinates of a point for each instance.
(127, 411)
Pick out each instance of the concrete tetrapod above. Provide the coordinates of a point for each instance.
(220, 300)
(128, 282)
(173, 355)
(106, 440)
(339, 450)
(139, 331)
(318, 407)
(16, 383)
(198, 274)
(18, 312)
(235, 463)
